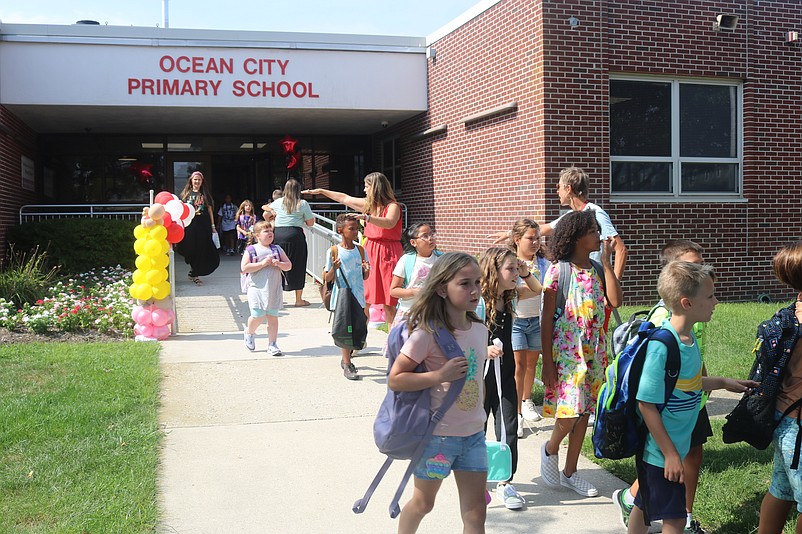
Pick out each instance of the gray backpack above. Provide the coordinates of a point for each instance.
(405, 421)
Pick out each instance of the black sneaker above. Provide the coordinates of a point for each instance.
(695, 528)
(350, 372)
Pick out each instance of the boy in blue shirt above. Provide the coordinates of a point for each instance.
(688, 290)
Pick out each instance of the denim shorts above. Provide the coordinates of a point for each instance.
(526, 334)
(444, 454)
(786, 483)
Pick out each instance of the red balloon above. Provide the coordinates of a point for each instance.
(288, 144)
(163, 198)
(292, 161)
(185, 213)
(175, 233)
(167, 219)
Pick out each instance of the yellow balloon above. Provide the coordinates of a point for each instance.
(139, 246)
(144, 263)
(160, 262)
(158, 232)
(161, 290)
(165, 246)
(140, 231)
(138, 276)
(145, 291)
(152, 247)
(155, 276)
(133, 290)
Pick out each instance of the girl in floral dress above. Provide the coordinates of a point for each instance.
(574, 343)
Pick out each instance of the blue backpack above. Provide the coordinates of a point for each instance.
(619, 431)
(405, 421)
(409, 264)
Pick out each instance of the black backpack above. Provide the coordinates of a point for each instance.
(753, 418)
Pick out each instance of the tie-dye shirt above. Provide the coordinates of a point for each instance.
(680, 414)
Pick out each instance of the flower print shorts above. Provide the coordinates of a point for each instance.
(444, 454)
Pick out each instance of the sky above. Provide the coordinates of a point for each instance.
(417, 18)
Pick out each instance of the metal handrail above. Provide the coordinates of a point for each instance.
(331, 208)
(319, 240)
(37, 212)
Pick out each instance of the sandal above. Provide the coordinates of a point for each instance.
(196, 280)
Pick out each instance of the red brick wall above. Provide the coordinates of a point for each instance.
(479, 177)
(16, 140)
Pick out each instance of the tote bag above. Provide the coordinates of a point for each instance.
(499, 454)
(349, 327)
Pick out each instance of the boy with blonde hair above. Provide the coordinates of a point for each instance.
(688, 291)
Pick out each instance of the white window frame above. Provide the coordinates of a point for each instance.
(677, 195)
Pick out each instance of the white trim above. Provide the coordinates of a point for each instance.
(650, 198)
(676, 194)
(464, 18)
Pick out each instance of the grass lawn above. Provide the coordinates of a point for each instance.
(734, 478)
(78, 437)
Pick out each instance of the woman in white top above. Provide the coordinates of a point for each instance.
(291, 214)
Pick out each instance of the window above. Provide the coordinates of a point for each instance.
(391, 162)
(675, 138)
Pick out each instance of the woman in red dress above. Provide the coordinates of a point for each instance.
(382, 216)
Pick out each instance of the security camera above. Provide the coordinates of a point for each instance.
(385, 124)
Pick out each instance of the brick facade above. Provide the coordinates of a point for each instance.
(480, 176)
(16, 140)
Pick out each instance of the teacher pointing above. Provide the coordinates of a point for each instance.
(382, 216)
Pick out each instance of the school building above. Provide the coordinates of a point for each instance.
(683, 114)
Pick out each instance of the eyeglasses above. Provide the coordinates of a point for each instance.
(428, 236)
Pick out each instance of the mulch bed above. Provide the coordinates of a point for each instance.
(12, 336)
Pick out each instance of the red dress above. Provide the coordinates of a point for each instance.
(383, 247)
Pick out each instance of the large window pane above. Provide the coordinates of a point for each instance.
(709, 177)
(708, 121)
(641, 177)
(640, 118)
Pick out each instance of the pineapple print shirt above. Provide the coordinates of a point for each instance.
(467, 415)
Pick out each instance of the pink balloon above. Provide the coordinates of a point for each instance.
(144, 317)
(161, 332)
(146, 330)
(138, 329)
(162, 317)
(135, 312)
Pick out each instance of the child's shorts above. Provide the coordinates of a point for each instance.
(526, 334)
(444, 454)
(261, 313)
(666, 498)
(786, 483)
(702, 430)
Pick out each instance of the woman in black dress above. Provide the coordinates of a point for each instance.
(197, 246)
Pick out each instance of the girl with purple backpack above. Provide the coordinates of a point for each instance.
(448, 299)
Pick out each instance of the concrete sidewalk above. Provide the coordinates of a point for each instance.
(259, 444)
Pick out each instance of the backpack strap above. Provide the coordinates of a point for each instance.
(251, 253)
(563, 284)
(451, 349)
(409, 265)
(333, 251)
(672, 366)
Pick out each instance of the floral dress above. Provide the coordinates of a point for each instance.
(579, 345)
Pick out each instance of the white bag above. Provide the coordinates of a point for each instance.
(216, 239)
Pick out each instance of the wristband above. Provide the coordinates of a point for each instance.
(527, 275)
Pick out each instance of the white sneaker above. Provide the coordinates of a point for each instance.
(520, 426)
(549, 469)
(250, 341)
(578, 484)
(507, 494)
(273, 350)
(592, 420)
(529, 411)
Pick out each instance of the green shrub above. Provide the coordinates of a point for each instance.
(26, 277)
(80, 244)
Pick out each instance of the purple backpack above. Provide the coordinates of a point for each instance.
(405, 421)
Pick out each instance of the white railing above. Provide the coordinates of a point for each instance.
(330, 210)
(39, 212)
(319, 240)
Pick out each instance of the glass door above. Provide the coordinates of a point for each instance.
(181, 168)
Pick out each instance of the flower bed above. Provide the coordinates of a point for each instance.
(95, 301)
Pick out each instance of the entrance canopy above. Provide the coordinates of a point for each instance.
(107, 79)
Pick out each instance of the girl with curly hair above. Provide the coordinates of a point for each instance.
(501, 270)
(574, 344)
